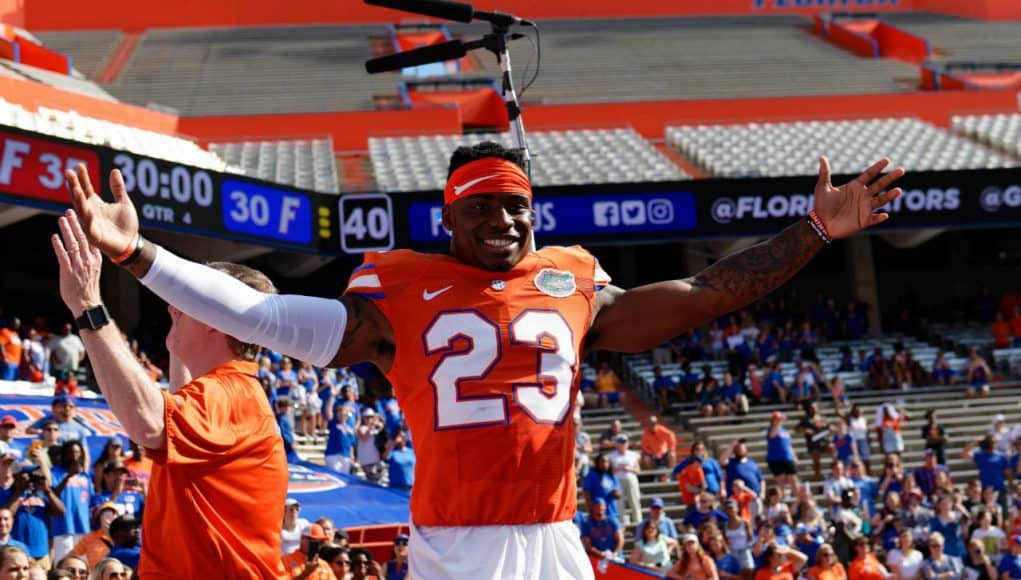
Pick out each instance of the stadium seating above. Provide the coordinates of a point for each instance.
(558, 158)
(965, 337)
(639, 367)
(1001, 131)
(962, 39)
(89, 49)
(778, 149)
(308, 164)
(258, 70)
(71, 125)
(695, 58)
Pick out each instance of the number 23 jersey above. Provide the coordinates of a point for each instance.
(486, 370)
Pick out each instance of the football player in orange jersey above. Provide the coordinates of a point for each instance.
(483, 345)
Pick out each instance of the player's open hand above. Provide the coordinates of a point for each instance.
(111, 227)
(80, 265)
(848, 209)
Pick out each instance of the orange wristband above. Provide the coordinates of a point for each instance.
(127, 251)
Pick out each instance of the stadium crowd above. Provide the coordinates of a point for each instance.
(69, 512)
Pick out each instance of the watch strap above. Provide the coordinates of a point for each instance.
(94, 318)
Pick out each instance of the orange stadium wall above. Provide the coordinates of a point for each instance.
(854, 37)
(32, 95)
(136, 15)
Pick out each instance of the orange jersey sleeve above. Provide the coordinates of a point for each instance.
(217, 490)
(486, 368)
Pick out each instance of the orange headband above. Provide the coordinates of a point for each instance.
(486, 175)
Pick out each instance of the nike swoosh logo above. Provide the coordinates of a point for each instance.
(459, 189)
(427, 295)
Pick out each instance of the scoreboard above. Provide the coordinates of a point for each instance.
(193, 200)
(199, 201)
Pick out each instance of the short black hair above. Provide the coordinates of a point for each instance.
(464, 155)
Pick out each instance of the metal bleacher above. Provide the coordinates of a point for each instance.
(243, 71)
(639, 367)
(305, 163)
(999, 131)
(89, 49)
(559, 158)
(962, 39)
(778, 149)
(649, 59)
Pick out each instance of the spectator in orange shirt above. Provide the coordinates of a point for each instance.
(1002, 332)
(691, 480)
(865, 565)
(827, 567)
(219, 476)
(10, 348)
(780, 563)
(304, 562)
(1015, 324)
(95, 545)
(139, 469)
(659, 445)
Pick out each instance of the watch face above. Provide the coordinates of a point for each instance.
(94, 318)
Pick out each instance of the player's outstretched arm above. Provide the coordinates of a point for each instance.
(304, 327)
(640, 318)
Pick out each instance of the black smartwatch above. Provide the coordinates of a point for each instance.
(94, 318)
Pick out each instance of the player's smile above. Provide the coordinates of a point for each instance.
(490, 230)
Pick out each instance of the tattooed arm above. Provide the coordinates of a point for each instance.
(667, 309)
(643, 317)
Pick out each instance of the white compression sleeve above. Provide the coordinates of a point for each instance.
(303, 327)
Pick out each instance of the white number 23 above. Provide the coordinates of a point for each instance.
(555, 364)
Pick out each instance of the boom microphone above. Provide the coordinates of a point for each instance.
(425, 55)
(456, 11)
(447, 10)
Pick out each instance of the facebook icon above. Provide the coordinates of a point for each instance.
(606, 214)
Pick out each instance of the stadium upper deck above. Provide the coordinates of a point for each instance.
(313, 69)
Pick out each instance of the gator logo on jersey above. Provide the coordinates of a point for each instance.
(305, 480)
(555, 283)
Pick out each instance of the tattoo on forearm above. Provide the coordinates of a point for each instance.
(752, 273)
(354, 316)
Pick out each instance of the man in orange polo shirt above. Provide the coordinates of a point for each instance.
(659, 445)
(219, 474)
(304, 562)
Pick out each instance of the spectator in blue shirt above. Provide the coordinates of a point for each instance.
(6, 525)
(125, 532)
(341, 441)
(656, 518)
(401, 463)
(28, 494)
(601, 533)
(601, 484)
(992, 465)
(113, 489)
(773, 387)
(703, 512)
(1010, 565)
(73, 484)
(388, 408)
(780, 453)
(741, 467)
(282, 410)
(63, 410)
(663, 386)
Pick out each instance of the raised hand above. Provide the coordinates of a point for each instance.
(111, 227)
(848, 209)
(80, 265)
